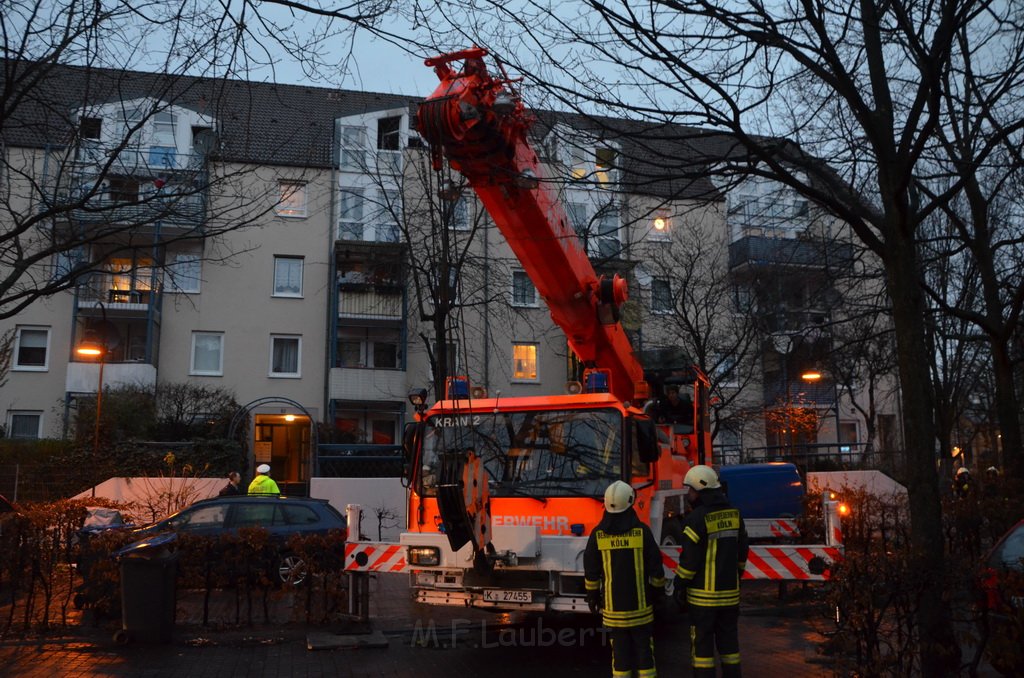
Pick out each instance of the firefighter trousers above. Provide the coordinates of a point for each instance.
(714, 628)
(633, 652)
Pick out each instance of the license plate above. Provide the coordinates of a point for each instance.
(497, 596)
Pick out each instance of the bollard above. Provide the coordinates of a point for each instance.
(358, 582)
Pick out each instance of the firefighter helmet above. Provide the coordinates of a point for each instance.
(618, 497)
(702, 478)
(962, 471)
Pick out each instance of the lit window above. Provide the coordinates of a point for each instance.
(31, 349)
(523, 291)
(207, 353)
(292, 202)
(285, 355)
(524, 362)
(661, 226)
(24, 424)
(661, 296)
(287, 276)
(184, 273)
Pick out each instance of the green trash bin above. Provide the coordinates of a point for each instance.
(149, 572)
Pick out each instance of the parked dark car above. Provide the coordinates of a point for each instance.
(1003, 600)
(280, 516)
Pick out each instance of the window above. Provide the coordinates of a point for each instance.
(90, 128)
(523, 291)
(287, 276)
(524, 362)
(207, 353)
(163, 128)
(292, 202)
(162, 156)
(387, 216)
(608, 233)
(661, 226)
(350, 225)
(353, 148)
(31, 349)
(366, 426)
(123, 189)
(24, 424)
(372, 347)
(661, 296)
(285, 355)
(578, 216)
(184, 273)
(459, 217)
(604, 165)
(389, 153)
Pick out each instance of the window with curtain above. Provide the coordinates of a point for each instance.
(207, 353)
(24, 424)
(287, 276)
(292, 199)
(661, 296)
(524, 362)
(285, 355)
(183, 273)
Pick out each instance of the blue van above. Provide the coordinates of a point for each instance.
(769, 490)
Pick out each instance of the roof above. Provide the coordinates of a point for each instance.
(268, 123)
(259, 122)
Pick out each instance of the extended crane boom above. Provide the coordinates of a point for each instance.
(480, 125)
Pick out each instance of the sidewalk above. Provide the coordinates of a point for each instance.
(418, 640)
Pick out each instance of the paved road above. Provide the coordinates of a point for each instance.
(430, 642)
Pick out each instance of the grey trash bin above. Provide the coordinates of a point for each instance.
(148, 592)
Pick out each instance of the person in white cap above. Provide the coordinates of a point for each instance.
(263, 484)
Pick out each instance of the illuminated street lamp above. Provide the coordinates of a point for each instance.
(813, 376)
(92, 347)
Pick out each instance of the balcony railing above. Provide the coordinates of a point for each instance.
(186, 211)
(754, 250)
(368, 301)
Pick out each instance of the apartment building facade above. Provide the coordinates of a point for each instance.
(290, 244)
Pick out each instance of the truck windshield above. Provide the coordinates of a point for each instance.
(540, 454)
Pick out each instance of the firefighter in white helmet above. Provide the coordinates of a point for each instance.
(714, 554)
(623, 579)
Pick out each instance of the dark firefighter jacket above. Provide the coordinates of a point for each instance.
(623, 554)
(714, 552)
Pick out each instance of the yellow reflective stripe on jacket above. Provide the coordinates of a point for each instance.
(628, 619)
(713, 598)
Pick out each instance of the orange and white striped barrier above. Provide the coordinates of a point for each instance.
(781, 563)
(363, 556)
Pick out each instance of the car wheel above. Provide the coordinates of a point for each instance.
(291, 569)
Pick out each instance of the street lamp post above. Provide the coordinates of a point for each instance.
(95, 348)
(812, 376)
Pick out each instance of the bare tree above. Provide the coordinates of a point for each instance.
(896, 95)
(80, 181)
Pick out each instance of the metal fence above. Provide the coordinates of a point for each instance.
(359, 461)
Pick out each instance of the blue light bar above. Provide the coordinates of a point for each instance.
(458, 388)
(597, 382)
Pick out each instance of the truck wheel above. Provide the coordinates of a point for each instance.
(121, 637)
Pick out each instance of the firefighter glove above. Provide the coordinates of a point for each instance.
(594, 601)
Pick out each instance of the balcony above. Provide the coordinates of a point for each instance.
(84, 377)
(756, 251)
(106, 293)
(347, 383)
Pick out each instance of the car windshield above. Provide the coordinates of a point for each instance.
(534, 453)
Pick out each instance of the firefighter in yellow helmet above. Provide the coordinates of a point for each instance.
(714, 553)
(623, 578)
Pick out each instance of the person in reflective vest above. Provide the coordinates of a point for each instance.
(714, 554)
(263, 484)
(623, 579)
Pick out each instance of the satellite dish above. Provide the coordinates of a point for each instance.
(631, 315)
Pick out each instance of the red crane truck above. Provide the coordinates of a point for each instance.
(503, 492)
